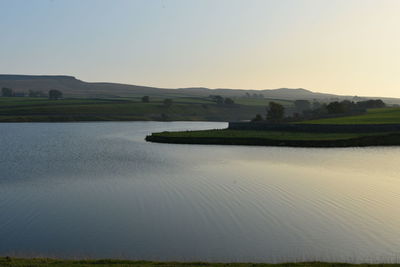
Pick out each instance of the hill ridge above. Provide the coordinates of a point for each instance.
(74, 87)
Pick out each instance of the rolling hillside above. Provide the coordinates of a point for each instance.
(73, 87)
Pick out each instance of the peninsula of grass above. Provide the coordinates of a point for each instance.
(44, 262)
(273, 138)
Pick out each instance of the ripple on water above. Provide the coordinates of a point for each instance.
(99, 190)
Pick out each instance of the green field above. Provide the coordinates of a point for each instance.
(184, 108)
(19, 109)
(261, 101)
(248, 134)
(6, 261)
(373, 116)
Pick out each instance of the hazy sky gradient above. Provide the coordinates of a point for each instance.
(336, 46)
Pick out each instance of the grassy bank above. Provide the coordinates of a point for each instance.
(27, 109)
(373, 116)
(247, 134)
(5, 261)
(270, 138)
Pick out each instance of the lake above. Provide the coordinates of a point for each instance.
(98, 190)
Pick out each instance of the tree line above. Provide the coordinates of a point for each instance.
(51, 94)
(221, 100)
(346, 107)
(167, 102)
(307, 110)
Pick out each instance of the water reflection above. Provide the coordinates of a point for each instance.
(98, 190)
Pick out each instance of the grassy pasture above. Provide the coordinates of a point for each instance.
(25, 109)
(260, 101)
(373, 116)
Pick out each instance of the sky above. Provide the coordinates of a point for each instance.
(349, 47)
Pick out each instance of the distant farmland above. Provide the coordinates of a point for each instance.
(373, 116)
(21, 109)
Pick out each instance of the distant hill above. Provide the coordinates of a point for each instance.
(72, 87)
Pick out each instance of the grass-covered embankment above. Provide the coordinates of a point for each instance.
(271, 138)
(43, 262)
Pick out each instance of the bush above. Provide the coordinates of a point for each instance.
(146, 99)
(55, 94)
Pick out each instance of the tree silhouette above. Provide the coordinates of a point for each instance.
(55, 94)
(275, 112)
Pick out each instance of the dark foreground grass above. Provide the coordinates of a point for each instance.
(43, 262)
(272, 138)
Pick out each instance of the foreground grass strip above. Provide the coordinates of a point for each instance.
(43, 262)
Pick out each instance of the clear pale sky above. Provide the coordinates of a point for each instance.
(336, 46)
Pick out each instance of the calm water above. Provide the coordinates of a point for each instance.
(99, 190)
